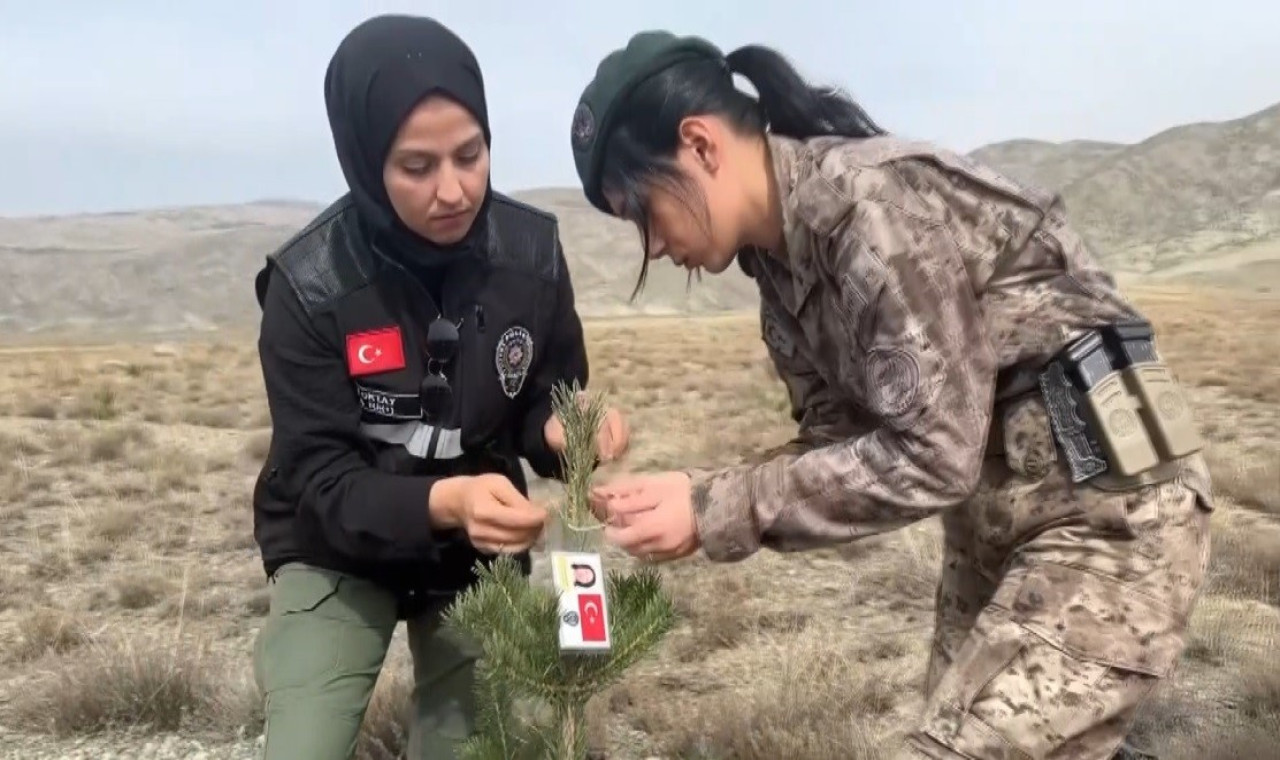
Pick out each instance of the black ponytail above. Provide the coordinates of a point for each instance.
(640, 150)
(792, 106)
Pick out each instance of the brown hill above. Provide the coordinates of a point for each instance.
(1199, 200)
(1194, 198)
(191, 269)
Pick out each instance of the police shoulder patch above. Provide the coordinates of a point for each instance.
(513, 358)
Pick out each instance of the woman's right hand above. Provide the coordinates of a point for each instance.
(495, 516)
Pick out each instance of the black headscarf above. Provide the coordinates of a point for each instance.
(380, 72)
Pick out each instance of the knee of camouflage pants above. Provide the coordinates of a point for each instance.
(1089, 617)
(1014, 695)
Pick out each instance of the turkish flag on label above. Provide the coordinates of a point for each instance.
(591, 611)
(375, 351)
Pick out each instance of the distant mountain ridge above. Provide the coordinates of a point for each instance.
(1198, 199)
(1166, 203)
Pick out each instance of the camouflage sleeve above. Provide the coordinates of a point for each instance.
(812, 403)
(925, 369)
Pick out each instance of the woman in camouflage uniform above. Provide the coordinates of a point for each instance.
(944, 333)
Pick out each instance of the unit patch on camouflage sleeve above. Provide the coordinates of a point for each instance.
(893, 379)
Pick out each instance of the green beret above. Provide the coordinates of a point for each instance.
(646, 54)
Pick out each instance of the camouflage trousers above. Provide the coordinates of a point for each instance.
(1060, 607)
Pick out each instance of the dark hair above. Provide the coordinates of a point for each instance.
(640, 151)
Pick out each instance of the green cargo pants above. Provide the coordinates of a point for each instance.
(318, 656)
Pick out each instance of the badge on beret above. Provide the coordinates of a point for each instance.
(584, 127)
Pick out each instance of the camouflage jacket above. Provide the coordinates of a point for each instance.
(914, 287)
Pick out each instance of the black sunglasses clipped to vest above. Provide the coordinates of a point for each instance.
(435, 394)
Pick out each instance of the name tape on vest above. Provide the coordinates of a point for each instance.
(395, 406)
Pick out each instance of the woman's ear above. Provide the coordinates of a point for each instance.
(699, 136)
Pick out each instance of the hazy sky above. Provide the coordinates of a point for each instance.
(135, 103)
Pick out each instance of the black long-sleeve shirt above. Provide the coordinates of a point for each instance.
(352, 463)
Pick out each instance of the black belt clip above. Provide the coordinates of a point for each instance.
(1063, 382)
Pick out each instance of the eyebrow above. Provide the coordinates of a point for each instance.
(412, 152)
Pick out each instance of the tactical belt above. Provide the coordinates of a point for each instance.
(1117, 414)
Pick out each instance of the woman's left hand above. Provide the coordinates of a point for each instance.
(649, 516)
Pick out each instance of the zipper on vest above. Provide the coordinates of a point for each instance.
(459, 360)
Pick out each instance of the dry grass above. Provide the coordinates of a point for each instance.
(1220, 338)
(130, 562)
(121, 683)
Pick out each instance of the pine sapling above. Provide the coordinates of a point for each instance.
(540, 664)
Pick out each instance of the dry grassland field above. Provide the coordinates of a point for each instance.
(131, 589)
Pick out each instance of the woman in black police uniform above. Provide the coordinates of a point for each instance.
(411, 336)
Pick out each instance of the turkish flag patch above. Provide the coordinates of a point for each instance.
(374, 351)
(591, 611)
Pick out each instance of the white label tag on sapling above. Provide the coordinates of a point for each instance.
(584, 610)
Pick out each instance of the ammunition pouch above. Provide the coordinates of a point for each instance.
(1117, 413)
